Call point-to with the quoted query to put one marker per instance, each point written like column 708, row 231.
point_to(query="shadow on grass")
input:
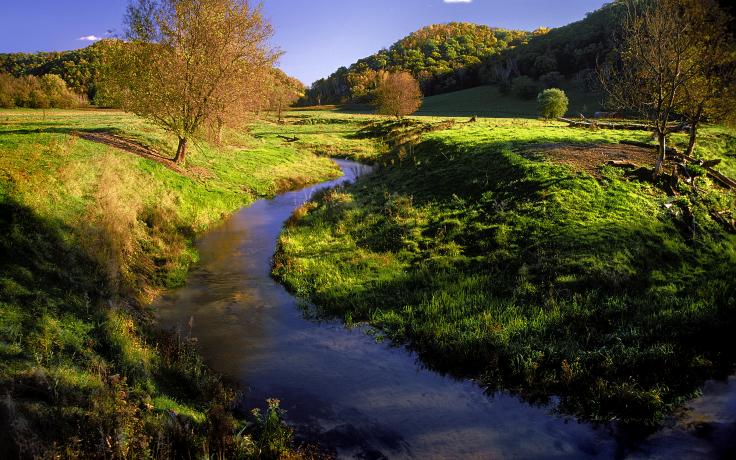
column 55, row 129
column 45, row 285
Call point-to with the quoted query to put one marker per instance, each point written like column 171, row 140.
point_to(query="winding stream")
column 361, row 398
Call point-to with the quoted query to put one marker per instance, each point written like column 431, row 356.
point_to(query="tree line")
column 47, row 91
column 442, row 57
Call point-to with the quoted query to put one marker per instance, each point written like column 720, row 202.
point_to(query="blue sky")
column 318, row 36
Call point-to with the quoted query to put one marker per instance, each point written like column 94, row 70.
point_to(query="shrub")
column 553, row 103
column 524, row 87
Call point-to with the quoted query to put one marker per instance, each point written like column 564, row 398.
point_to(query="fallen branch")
column 729, row 225
column 584, row 123
column 622, row 164
column 288, row 139
column 712, row 173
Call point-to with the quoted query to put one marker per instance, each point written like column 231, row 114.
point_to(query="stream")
column 371, row 400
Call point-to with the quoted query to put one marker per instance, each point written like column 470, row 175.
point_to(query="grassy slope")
column 487, row 101
column 86, row 229
column 534, row 276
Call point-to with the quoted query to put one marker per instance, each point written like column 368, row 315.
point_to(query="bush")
column 524, row 87
column 553, row 103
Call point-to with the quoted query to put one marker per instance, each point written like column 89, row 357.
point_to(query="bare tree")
column 712, row 94
column 657, row 63
column 192, row 66
column 398, row 95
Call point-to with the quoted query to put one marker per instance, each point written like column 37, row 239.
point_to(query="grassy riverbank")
column 502, row 250
column 89, row 234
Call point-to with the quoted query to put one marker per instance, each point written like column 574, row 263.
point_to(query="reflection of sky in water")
column 344, row 390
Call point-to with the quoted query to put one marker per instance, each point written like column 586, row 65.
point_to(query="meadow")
column 91, row 234
column 472, row 244
column 480, row 249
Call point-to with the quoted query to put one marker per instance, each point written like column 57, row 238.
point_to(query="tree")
column 712, row 96
column 192, row 66
column 524, row 87
column 552, row 103
column 657, row 63
column 398, row 95
column 283, row 91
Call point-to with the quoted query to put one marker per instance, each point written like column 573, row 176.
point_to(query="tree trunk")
column 661, row 151
column 694, row 131
column 181, row 151
column 220, row 127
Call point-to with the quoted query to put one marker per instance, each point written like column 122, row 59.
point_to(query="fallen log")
column 728, row 225
column 712, row 173
column 711, row 163
column 584, row 123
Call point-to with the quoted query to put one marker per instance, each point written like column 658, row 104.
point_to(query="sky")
column 316, row 36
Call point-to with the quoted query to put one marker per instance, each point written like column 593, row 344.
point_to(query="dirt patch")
column 590, row 157
column 131, row 146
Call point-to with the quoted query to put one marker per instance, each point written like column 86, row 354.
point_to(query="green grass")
column 88, row 235
column 497, row 264
column 488, row 101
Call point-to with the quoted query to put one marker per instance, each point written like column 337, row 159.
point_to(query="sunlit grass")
column 89, row 234
column 537, row 277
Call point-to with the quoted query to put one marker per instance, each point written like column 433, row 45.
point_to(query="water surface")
column 341, row 388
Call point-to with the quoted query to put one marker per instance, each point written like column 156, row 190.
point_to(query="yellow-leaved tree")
column 192, row 66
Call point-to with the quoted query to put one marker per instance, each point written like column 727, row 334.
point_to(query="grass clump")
column 531, row 275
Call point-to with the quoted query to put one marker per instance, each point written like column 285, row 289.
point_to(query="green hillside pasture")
column 494, row 262
column 487, row 101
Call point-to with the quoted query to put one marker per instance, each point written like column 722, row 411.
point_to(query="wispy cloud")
column 90, row 38
column 458, row 1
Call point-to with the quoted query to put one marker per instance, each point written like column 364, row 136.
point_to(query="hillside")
column 78, row 68
column 505, row 250
column 490, row 101
column 91, row 231
column 443, row 57
column 451, row 57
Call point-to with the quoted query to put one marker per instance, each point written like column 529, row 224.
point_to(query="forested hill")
column 454, row 56
column 78, row 68
column 444, row 57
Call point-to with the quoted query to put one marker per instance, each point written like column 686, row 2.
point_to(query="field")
column 90, row 234
column 498, row 249
column 488, row 101
column 505, row 250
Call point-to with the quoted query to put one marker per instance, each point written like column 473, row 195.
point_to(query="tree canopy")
column 442, row 57
column 193, row 66
column 398, row 95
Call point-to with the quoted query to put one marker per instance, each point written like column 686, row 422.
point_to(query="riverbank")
column 495, row 250
column 90, row 234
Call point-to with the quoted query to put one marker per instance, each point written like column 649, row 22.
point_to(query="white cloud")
column 458, row 1
column 90, row 38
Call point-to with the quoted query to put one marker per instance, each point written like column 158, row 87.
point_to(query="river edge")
column 685, row 436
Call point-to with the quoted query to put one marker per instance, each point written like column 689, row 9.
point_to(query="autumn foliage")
column 398, row 95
